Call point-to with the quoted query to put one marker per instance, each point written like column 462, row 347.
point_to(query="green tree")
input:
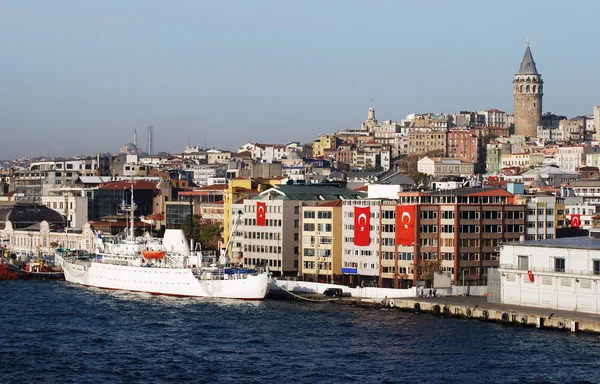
column 369, row 167
column 420, row 178
column 210, row 235
column 192, row 229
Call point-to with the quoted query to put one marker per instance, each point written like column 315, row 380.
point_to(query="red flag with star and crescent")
column 261, row 217
column 362, row 226
column 575, row 221
column 405, row 224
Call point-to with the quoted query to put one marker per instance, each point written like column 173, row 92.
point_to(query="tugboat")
column 40, row 270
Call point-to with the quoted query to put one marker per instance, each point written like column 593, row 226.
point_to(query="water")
column 54, row 332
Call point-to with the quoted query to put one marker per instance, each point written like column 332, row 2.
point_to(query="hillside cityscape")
column 532, row 162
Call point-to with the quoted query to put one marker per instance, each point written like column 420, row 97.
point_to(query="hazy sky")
column 79, row 76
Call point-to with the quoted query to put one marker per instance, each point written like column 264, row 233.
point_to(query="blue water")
column 54, row 332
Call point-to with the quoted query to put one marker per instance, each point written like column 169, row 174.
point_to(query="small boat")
column 39, row 270
column 153, row 254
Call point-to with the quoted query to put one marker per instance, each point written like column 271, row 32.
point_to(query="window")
column 559, row 264
column 523, row 262
column 309, row 214
column 596, row 267
column 324, row 215
column 309, row 227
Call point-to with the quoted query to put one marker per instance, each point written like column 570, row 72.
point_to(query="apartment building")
column 411, row 237
column 321, row 246
column 437, row 167
column 272, row 224
column 422, row 141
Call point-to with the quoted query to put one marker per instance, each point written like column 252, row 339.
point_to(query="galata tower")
column 528, row 92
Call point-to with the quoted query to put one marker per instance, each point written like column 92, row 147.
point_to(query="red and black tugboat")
column 40, row 270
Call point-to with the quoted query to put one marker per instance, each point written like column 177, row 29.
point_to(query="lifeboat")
column 153, row 254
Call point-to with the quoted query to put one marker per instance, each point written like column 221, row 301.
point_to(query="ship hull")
column 164, row 281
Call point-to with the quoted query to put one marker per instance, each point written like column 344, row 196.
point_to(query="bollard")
column 574, row 326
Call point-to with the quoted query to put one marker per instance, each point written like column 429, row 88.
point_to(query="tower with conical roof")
column 527, row 93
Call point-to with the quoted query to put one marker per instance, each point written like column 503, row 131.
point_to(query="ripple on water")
column 80, row 335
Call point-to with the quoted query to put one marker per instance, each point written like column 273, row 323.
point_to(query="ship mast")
column 130, row 208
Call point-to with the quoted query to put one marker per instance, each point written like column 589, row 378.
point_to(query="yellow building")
column 242, row 188
column 324, row 142
column 321, row 250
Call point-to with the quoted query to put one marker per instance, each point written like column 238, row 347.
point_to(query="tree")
column 192, row 229
column 428, row 267
column 420, row 178
column 210, row 235
column 369, row 167
column 206, row 234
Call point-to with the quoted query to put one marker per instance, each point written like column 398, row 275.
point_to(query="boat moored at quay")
column 166, row 266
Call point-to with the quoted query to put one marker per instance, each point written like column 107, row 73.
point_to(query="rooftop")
column 579, row 242
column 527, row 64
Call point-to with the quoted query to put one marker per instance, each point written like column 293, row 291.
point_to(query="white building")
column 71, row 203
column 445, row 167
column 551, row 175
column 555, row 274
column 360, row 260
column 571, row 157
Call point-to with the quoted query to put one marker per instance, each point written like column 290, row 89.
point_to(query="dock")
column 456, row 306
column 478, row 308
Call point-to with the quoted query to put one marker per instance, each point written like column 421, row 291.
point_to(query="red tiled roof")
column 364, row 188
column 155, row 216
column 126, row 184
column 214, row 187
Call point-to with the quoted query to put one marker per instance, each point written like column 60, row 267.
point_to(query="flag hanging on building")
column 362, row 226
column 261, row 217
column 405, row 224
column 575, row 221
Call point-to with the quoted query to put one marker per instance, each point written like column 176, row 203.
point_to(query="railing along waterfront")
column 516, row 268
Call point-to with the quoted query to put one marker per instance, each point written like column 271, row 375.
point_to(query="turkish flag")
column 530, row 274
column 261, row 217
column 405, row 224
column 362, row 226
column 575, row 221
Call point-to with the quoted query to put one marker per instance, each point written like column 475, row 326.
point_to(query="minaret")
column 527, row 93
column 135, row 136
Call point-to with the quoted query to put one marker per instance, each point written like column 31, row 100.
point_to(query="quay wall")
column 521, row 316
column 373, row 292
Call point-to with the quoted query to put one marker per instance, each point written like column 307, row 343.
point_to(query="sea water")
column 56, row 332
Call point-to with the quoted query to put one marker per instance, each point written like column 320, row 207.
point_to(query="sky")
column 77, row 77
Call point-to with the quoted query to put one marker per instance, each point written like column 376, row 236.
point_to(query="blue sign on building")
column 349, row 271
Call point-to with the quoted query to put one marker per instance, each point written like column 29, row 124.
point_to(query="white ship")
column 162, row 266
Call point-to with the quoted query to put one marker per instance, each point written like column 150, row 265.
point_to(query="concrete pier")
column 477, row 308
